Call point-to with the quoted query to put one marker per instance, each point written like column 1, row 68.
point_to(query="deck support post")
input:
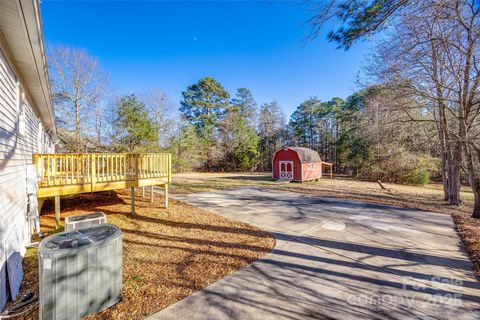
column 165, row 195
column 143, row 192
column 151, row 193
column 40, row 204
column 57, row 212
column 132, row 196
column 93, row 173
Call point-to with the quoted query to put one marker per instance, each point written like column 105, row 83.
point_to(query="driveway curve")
column 337, row 259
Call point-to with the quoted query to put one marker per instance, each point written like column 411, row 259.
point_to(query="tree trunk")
column 99, row 129
column 336, row 146
column 442, row 127
column 472, row 172
column 445, row 179
column 476, row 205
column 454, row 184
column 455, row 158
column 444, row 164
column 474, row 180
column 77, row 126
column 451, row 157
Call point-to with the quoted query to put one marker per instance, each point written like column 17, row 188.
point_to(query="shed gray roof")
column 306, row 155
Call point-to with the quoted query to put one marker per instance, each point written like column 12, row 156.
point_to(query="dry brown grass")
column 428, row 198
column 168, row 254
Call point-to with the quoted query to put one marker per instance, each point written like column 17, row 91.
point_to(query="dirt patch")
column 167, row 254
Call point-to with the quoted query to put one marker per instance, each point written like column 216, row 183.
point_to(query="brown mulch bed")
column 167, row 254
column 469, row 230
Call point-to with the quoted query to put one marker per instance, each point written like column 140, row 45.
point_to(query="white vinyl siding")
column 15, row 154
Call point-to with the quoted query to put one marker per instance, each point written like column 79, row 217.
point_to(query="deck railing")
column 102, row 169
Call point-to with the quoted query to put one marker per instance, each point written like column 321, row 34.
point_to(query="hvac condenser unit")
column 80, row 272
column 85, row 220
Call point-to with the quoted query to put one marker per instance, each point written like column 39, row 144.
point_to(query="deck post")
column 331, row 171
column 57, row 211
column 40, row 204
column 165, row 195
column 143, row 191
column 47, row 170
column 132, row 196
column 151, row 193
column 169, row 165
column 93, row 173
column 137, row 167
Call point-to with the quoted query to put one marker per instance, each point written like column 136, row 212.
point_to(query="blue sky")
column 258, row 45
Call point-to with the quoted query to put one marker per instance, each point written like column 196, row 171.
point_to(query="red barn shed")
column 297, row 164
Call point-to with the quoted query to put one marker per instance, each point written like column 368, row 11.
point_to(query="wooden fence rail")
column 77, row 169
column 72, row 173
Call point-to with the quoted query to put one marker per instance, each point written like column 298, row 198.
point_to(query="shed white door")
column 286, row 170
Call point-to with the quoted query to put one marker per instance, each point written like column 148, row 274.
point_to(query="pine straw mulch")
column 468, row 229
column 167, row 254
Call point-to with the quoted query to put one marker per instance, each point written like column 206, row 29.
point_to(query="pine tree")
column 246, row 106
column 204, row 104
column 135, row 130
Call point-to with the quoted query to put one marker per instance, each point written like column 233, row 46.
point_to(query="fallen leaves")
column 167, row 253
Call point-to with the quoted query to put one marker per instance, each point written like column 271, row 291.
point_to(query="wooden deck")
column 72, row 173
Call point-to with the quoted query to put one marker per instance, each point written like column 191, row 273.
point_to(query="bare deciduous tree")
column 271, row 127
column 78, row 86
column 165, row 113
column 435, row 51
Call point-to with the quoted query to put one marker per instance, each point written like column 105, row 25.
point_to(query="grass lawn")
column 429, row 197
column 167, row 254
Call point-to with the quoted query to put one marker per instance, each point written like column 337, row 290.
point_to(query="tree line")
column 365, row 136
column 362, row 135
column 214, row 130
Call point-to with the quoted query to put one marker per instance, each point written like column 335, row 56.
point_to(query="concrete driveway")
column 337, row 259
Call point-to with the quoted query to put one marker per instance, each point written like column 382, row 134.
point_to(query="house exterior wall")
column 287, row 155
column 22, row 133
column 311, row 170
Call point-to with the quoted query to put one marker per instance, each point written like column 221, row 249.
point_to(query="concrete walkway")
column 337, row 259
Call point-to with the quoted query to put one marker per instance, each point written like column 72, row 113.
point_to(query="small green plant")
column 135, row 282
column 418, row 177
